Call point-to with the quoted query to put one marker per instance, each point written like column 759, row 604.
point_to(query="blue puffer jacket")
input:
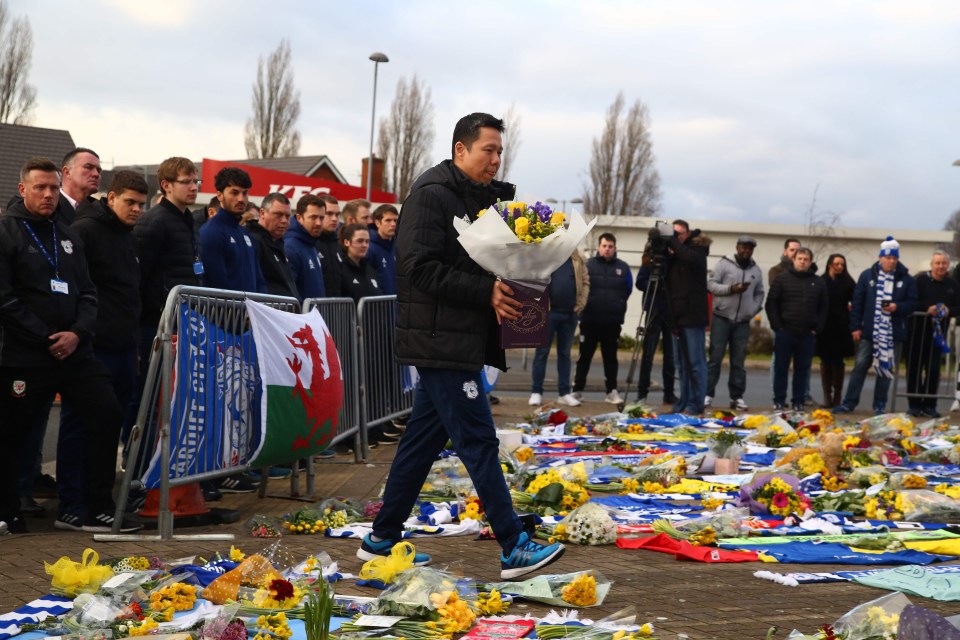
column 865, row 295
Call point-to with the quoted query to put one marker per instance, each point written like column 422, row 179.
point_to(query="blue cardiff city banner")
column 215, row 411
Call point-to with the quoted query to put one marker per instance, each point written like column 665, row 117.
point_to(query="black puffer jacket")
column 168, row 247
column 29, row 310
column 687, row 280
column 112, row 261
column 444, row 315
column 798, row 302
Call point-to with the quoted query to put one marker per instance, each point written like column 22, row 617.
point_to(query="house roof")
column 299, row 165
column 19, row 144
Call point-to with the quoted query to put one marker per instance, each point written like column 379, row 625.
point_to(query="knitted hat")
column 890, row 247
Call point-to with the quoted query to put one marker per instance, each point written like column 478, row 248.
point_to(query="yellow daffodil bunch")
column 755, row 422
column 653, row 487
column 951, row 491
column 456, row 616
column 833, row 483
column 811, row 463
column 710, row 504
column 822, row 416
column 523, row 454
column 630, row 485
column 236, row 555
column 913, row 481
column 704, row 538
column 581, row 592
column 491, row 603
column 177, row 596
column 559, row 533
column 273, row 626
column 143, row 627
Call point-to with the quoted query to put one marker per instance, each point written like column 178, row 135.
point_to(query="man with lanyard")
column 80, row 171
column 48, row 314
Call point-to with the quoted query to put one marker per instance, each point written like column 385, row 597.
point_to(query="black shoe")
column 798, row 406
column 670, row 399
column 401, row 423
column 30, row 508
column 16, row 524
column 326, row 454
column 68, row 522
column 383, row 438
column 103, row 523
column 136, row 499
column 44, row 486
column 211, row 492
column 778, row 406
column 343, row 448
column 493, row 399
column 237, row 484
column 928, row 411
column 391, row 431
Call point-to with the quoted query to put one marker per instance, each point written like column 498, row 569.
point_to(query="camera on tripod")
column 658, row 240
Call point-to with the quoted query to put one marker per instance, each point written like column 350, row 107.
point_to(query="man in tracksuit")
column 448, row 311
column 736, row 283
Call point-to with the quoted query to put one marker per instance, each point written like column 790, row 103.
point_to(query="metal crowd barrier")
column 340, row 314
column 224, row 311
column 376, row 389
column 386, row 389
column 924, row 364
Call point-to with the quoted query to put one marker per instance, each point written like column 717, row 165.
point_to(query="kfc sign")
column 290, row 184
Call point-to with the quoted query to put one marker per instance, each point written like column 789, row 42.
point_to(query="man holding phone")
column 885, row 296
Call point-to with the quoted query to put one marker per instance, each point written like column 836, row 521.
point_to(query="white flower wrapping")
column 590, row 524
column 492, row 245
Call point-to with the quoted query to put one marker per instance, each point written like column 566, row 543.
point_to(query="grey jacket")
column 736, row 307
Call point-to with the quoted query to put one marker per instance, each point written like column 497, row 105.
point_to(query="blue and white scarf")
column 883, row 326
column 939, row 315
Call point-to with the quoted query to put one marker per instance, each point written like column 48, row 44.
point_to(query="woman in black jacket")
column 358, row 278
column 835, row 342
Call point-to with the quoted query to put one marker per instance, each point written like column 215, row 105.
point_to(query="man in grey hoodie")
column 736, row 283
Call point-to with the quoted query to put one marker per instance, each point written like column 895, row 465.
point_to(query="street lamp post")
column 563, row 203
column 377, row 58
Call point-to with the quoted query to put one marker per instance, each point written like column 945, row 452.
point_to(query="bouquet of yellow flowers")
column 523, row 245
column 776, row 494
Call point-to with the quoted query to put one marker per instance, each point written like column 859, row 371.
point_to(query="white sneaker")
column 535, row 400
column 707, row 401
column 739, row 405
column 569, row 400
column 613, row 397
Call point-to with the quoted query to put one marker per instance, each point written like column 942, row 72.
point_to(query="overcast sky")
column 753, row 104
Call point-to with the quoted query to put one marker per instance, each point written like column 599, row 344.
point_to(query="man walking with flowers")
column 447, row 315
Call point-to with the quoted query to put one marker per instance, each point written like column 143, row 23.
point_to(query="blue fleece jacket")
column 229, row 256
column 301, row 250
column 382, row 256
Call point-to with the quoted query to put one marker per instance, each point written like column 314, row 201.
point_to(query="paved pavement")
column 705, row 601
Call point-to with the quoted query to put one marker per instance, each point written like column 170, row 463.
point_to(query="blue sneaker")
column 370, row 550
column 843, row 409
column 528, row 556
column 275, row 473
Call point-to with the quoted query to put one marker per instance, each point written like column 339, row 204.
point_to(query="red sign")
column 291, row 185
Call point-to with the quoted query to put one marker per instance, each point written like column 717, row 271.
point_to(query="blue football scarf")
column 883, row 326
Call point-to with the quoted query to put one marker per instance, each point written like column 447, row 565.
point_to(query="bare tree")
column 623, row 175
column 822, row 229
column 406, row 135
column 17, row 98
column 953, row 224
column 511, row 140
column 271, row 132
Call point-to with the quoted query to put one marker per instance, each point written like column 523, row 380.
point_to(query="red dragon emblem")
column 324, row 397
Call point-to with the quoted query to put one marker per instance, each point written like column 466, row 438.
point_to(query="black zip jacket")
column 331, row 261
column 112, row 262
column 168, row 246
column 798, row 302
column 359, row 280
column 273, row 261
column 445, row 319
column 30, row 311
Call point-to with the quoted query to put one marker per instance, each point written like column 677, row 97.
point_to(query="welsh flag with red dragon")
column 302, row 383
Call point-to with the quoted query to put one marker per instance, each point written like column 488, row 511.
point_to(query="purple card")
column 530, row 329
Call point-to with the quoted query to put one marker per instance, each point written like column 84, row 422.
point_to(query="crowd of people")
column 883, row 316
column 83, row 283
